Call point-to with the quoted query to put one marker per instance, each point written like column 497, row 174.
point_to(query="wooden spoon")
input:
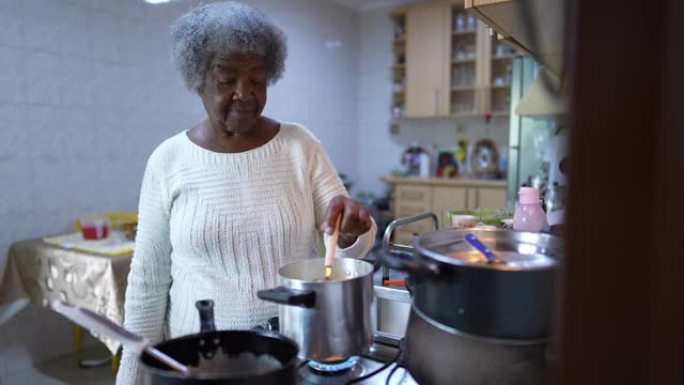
column 331, row 248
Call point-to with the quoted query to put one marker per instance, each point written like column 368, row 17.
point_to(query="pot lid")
column 520, row 251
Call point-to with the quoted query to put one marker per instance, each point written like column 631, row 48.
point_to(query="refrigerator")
column 536, row 144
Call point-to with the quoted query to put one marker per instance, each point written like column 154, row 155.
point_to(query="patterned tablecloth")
column 37, row 272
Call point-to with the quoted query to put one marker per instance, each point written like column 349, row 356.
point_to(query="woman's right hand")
column 356, row 219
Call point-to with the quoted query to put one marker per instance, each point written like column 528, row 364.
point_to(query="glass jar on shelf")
column 469, row 76
column 471, row 52
column 457, row 50
column 471, row 22
column 459, row 22
column 456, row 76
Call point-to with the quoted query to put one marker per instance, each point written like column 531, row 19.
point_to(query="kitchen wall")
column 380, row 150
column 86, row 93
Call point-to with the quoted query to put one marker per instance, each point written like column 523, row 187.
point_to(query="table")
column 39, row 273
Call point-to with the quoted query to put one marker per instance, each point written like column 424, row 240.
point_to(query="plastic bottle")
column 424, row 160
column 529, row 215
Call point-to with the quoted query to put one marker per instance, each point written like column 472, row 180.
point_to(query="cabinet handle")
column 413, row 195
column 436, row 94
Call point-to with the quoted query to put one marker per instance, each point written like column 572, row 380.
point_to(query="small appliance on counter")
column 484, row 159
column 416, row 161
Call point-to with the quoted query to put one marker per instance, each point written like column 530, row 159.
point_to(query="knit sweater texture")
column 219, row 226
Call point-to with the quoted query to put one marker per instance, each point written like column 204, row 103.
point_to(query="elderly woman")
column 227, row 202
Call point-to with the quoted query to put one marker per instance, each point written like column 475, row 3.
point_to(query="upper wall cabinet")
column 447, row 64
column 427, row 50
column 535, row 26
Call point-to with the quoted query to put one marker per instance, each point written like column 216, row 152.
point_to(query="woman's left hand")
column 355, row 221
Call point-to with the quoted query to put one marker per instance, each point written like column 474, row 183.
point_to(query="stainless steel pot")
column 455, row 286
column 330, row 320
column 438, row 355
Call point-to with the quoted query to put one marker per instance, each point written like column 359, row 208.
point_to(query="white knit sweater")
column 218, row 226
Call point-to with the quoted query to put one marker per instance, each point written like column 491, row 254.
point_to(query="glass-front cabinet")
column 398, row 64
column 464, row 63
column 446, row 63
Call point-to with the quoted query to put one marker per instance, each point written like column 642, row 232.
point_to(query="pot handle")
column 205, row 307
column 286, row 296
column 396, row 247
column 405, row 261
column 401, row 257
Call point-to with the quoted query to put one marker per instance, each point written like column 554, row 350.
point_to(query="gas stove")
column 378, row 367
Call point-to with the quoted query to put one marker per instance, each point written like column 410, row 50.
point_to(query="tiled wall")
column 86, row 93
column 380, row 151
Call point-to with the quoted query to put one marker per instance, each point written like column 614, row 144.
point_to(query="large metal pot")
column 453, row 285
column 210, row 344
column 330, row 319
column 438, row 355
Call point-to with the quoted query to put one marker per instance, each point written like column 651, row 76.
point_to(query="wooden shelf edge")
column 464, row 33
column 465, row 114
column 462, row 181
column 464, row 61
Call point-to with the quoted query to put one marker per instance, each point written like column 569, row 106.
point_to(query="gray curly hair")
column 225, row 28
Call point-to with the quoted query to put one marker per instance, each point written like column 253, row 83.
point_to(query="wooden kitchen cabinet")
column 448, row 198
column 506, row 18
column 411, row 200
column 447, row 64
column 490, row 198
column 486, row 198
column 414, row 195
column 427, row 56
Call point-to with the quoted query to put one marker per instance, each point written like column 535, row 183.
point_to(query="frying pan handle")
column 285, row 296
column 205, row 308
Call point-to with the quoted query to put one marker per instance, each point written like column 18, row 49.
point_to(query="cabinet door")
column 490, row 198
column 427, row 58
column 413, row 195
column 445, row 199
column 411, row 200
column 473, row 199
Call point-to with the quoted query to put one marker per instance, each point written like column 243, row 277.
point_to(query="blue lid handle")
column 479, row 246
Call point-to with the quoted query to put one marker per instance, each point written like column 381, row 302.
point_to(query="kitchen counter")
column 432, row 181
column 414, row 195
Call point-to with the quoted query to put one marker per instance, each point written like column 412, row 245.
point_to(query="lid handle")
column 205, row 308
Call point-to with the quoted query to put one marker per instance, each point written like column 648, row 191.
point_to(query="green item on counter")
column 487, row 216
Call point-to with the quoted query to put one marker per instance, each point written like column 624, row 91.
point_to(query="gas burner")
column 324, row 373
column 334, row 367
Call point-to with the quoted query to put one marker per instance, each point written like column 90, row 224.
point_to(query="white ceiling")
column 365, row 5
